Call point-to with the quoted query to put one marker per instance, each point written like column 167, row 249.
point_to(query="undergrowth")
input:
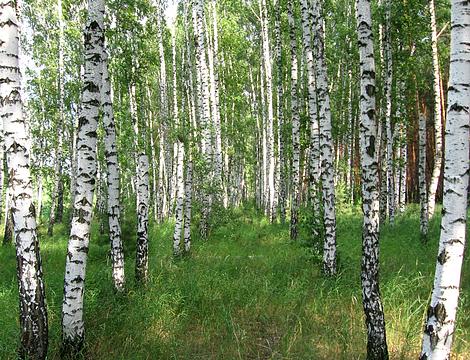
column 245, row 293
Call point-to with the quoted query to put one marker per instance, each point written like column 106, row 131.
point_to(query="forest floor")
column 246, row 293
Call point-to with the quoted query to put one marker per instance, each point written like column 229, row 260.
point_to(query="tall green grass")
column 246, row 293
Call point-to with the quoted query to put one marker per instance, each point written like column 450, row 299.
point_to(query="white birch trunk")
column 436, row 171
column 270, row 163
column 113, row 179
column 264, row 144
column 423, row 198
column 281, row 171
column 33, row 313
column 60, row 124
column 73, row 329
column 375, row 322
column 165, row 144
column 388, row 113
column 215, row 99
column 188, row 190
column 295, row 126
column 314, row 148
column 440, row 320
column 326, row 145
column 180, row 190
column 204, row 109
column 141, row 263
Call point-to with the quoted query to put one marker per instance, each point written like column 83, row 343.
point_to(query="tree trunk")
column 113, row 179
column 422, row 178
column 141, row 264
column 213, row 58
column 436, row 171
column 180, row 186
column 295, row 126
column 72, row 309
column 326, row 145
column 188, row 190
column 33, row 313
column 281, row 172
column 204, row 110
column 440, row 320
column 165, row 144
column 376, row 337
column 60, row 125
column 314, row 149
column 388, row 113
column 270, row 163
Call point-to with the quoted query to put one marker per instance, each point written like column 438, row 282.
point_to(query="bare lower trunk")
column 440, row 319
column 314, row 147
column 436, row 171
column 188, row 189
column 295, row 127
column 113, row 179
column 270, row 163
column 388, row 114
column 326, row 146
column 141, row 264
column 372, row 304
column 422, row 177
column 73, row 329
column 33, row 313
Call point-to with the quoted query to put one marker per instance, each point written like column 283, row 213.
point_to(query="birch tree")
column 326, row 144
column 33, row 313
column 423, row 198
column 373, row 310
column 440, row 319
column 295, row 125
column 314, row 149
column 267, row 64
column 142, row 188
column 388, row 111
column 113, row 179
column 60, row 124
column 180, row 185
column 203, row 107
column 436, row 171
column 164, row 144
column 213, row 52
column 73, row 329
column 281, row 186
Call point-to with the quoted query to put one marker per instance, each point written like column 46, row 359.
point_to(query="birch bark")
column 73, row 329
column 388, row 112
column 373, row 310
column 295, row 125
column 180, row 186
column 204, row 109
column 440, row 319
column 423, row 198
column 33, row 313
column 281, row 172
column 326, row 145
column 314, row 148
column 59, row 130
column 267, row 63
column 113, row 179
column 436, row 171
